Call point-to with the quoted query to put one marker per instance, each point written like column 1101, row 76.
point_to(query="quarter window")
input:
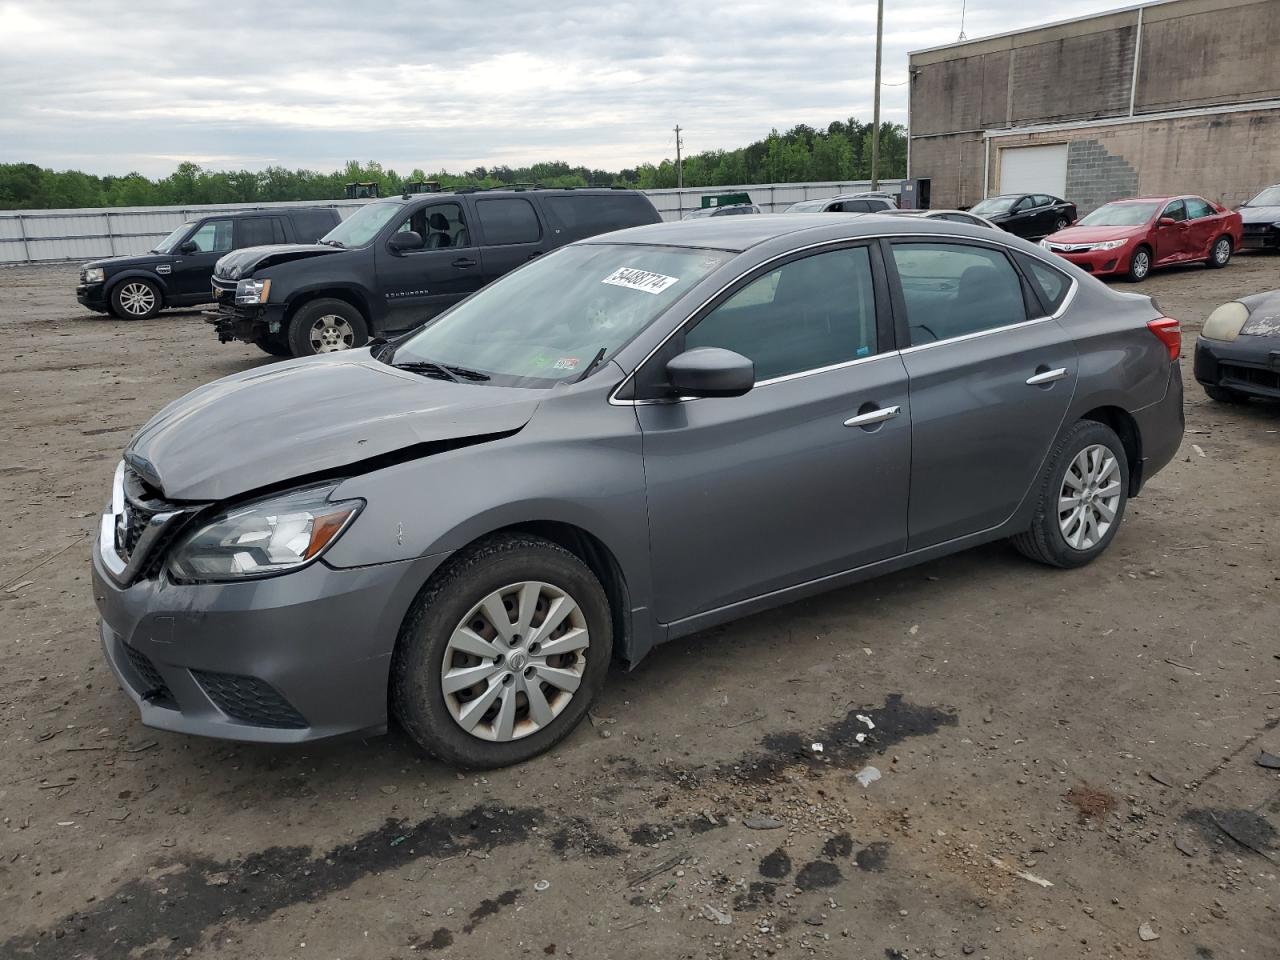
column 510, row 220
column 809, row 313
column 1053, row 284
column 956, row 289
column 213, row 237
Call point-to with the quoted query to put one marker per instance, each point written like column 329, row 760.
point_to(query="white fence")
column 52, row 236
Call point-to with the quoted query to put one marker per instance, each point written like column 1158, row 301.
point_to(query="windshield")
column 1269, row 197
column 986, row 208
column 547, row 322
column 808, row 206
column 362, row 226
column 1120, row 215
column 170, row 243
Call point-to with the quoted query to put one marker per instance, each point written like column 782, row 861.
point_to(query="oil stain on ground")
column 489, row 907
column 252, row 889
column 872, row 857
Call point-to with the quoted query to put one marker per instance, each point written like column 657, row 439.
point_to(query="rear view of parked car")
column 1129, row 237
column 177, row 271
column 634, row 438
column 396, row 263
column 1261, row 220
column 1028, row 215
column 1238, row 350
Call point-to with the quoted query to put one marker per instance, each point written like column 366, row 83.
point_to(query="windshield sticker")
column 565, row 363
column 642, row 280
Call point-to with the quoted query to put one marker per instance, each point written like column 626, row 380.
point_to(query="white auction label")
column 642, row 280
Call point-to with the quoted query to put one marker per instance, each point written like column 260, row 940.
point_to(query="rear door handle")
column 873, row 417
column 464, row 262
column 1046, row 376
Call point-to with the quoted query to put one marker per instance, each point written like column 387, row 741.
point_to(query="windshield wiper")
column 334, row 243
column 429, row 367
column 595, row 362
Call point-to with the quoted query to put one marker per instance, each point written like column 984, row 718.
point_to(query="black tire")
column 1139, row 265
column 332, row 313
column 274, row 344
column 1045, row 541
column 417, row 696
column 1220, row 253
column 1062, row 224
column 1223, row 394
column 135, row 298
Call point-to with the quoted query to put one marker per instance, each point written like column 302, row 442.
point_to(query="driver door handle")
column 1047, row 376
column 873, row 417
column 464, row 262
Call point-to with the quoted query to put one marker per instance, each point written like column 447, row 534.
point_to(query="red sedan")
column 1129, row 237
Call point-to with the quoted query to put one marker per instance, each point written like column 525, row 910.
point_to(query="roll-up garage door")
column 1034, row 169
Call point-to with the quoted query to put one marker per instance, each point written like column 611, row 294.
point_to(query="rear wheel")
column 1062, row 224
column 1082, row 497
column 1220, row 254
column 1223, row 394
column 326, row 326
column 135, row 299
column 502, row 653
column 1139, row 265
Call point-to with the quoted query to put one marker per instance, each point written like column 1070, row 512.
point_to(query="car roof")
column 737, row 234
column 499, row 192
column 1176, row 196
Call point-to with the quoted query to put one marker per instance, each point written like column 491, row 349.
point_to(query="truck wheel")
column 326, row 326
column 273, row 343
column 136, row 299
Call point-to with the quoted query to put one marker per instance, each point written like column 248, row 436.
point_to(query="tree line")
column 840, row 152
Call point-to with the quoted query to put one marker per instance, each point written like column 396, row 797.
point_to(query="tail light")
column 1169, row 332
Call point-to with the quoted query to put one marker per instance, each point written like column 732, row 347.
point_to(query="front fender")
column 116, row 279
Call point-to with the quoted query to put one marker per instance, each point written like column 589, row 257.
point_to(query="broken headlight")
column 260, row 539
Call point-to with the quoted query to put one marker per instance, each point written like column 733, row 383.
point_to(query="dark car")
column 1238, row 350
column 1261, row 219
column 396, row 263
column 1128, row 237
column 846, row 203
column 1029, row 215
column 176, row 272
column 633, row 439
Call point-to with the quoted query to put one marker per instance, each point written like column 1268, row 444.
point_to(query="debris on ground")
column 1184, row 847
column 1091, row 803
column 1021, row 874
column 1268, row 760
column 760, row 822
column 716, row 916
column 542, row 885
column 867, row 776
column 1147, row 933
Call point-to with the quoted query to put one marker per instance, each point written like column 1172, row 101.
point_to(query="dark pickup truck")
column 177, row 270
column 396, row 263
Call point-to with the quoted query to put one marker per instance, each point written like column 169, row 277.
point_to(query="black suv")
column 176, row 272
column 396, row 263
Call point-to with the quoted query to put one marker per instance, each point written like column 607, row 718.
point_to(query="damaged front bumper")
column 249, row 324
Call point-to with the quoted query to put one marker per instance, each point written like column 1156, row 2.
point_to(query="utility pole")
column 875, row 112
column 679, row 166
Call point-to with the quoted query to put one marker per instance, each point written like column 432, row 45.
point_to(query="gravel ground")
column 1066, row 759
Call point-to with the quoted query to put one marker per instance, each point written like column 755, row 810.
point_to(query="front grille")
column 154, row 690
column 249, row 700
column 1252, row 376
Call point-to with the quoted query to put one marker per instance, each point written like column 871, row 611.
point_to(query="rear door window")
column 814, row 312
column 254, row 231
column 952, row 290
column 508, row 220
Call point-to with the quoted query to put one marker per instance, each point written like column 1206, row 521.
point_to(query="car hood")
column 1095, row 234
column 1259, row 214
column 242, row 263
column 309, row 416
column 124, row 263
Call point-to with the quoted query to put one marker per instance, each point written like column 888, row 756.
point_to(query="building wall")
column 1191, row 54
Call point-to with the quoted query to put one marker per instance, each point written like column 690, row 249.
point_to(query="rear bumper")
column 289, row 659
column 1160, row 427
column 1249, row 365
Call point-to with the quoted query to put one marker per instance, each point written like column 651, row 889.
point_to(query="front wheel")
column 502, row 653
column 326, row 326
column 1139, row 265
column 135, row 299
column 1220, row 255
column 1081, row 500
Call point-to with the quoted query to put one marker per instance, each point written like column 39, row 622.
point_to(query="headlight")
column 253, row 291
column 94, row 274
column 268, row 537
column 1225, row 322
column 1045, row 244
column 1110, row 244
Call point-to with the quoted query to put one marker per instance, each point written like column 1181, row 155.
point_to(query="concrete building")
column 1180, row 96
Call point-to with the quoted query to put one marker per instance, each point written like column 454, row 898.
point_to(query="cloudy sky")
column 110, row 87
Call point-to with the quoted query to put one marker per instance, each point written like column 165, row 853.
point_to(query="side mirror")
column 403, row 242
column 711, row 372
column 188, row 246
column 1167, row 222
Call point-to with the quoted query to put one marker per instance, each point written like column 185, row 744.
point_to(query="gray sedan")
column 629, row 440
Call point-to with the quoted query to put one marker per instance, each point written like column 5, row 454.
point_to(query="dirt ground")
column 1066, row 758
